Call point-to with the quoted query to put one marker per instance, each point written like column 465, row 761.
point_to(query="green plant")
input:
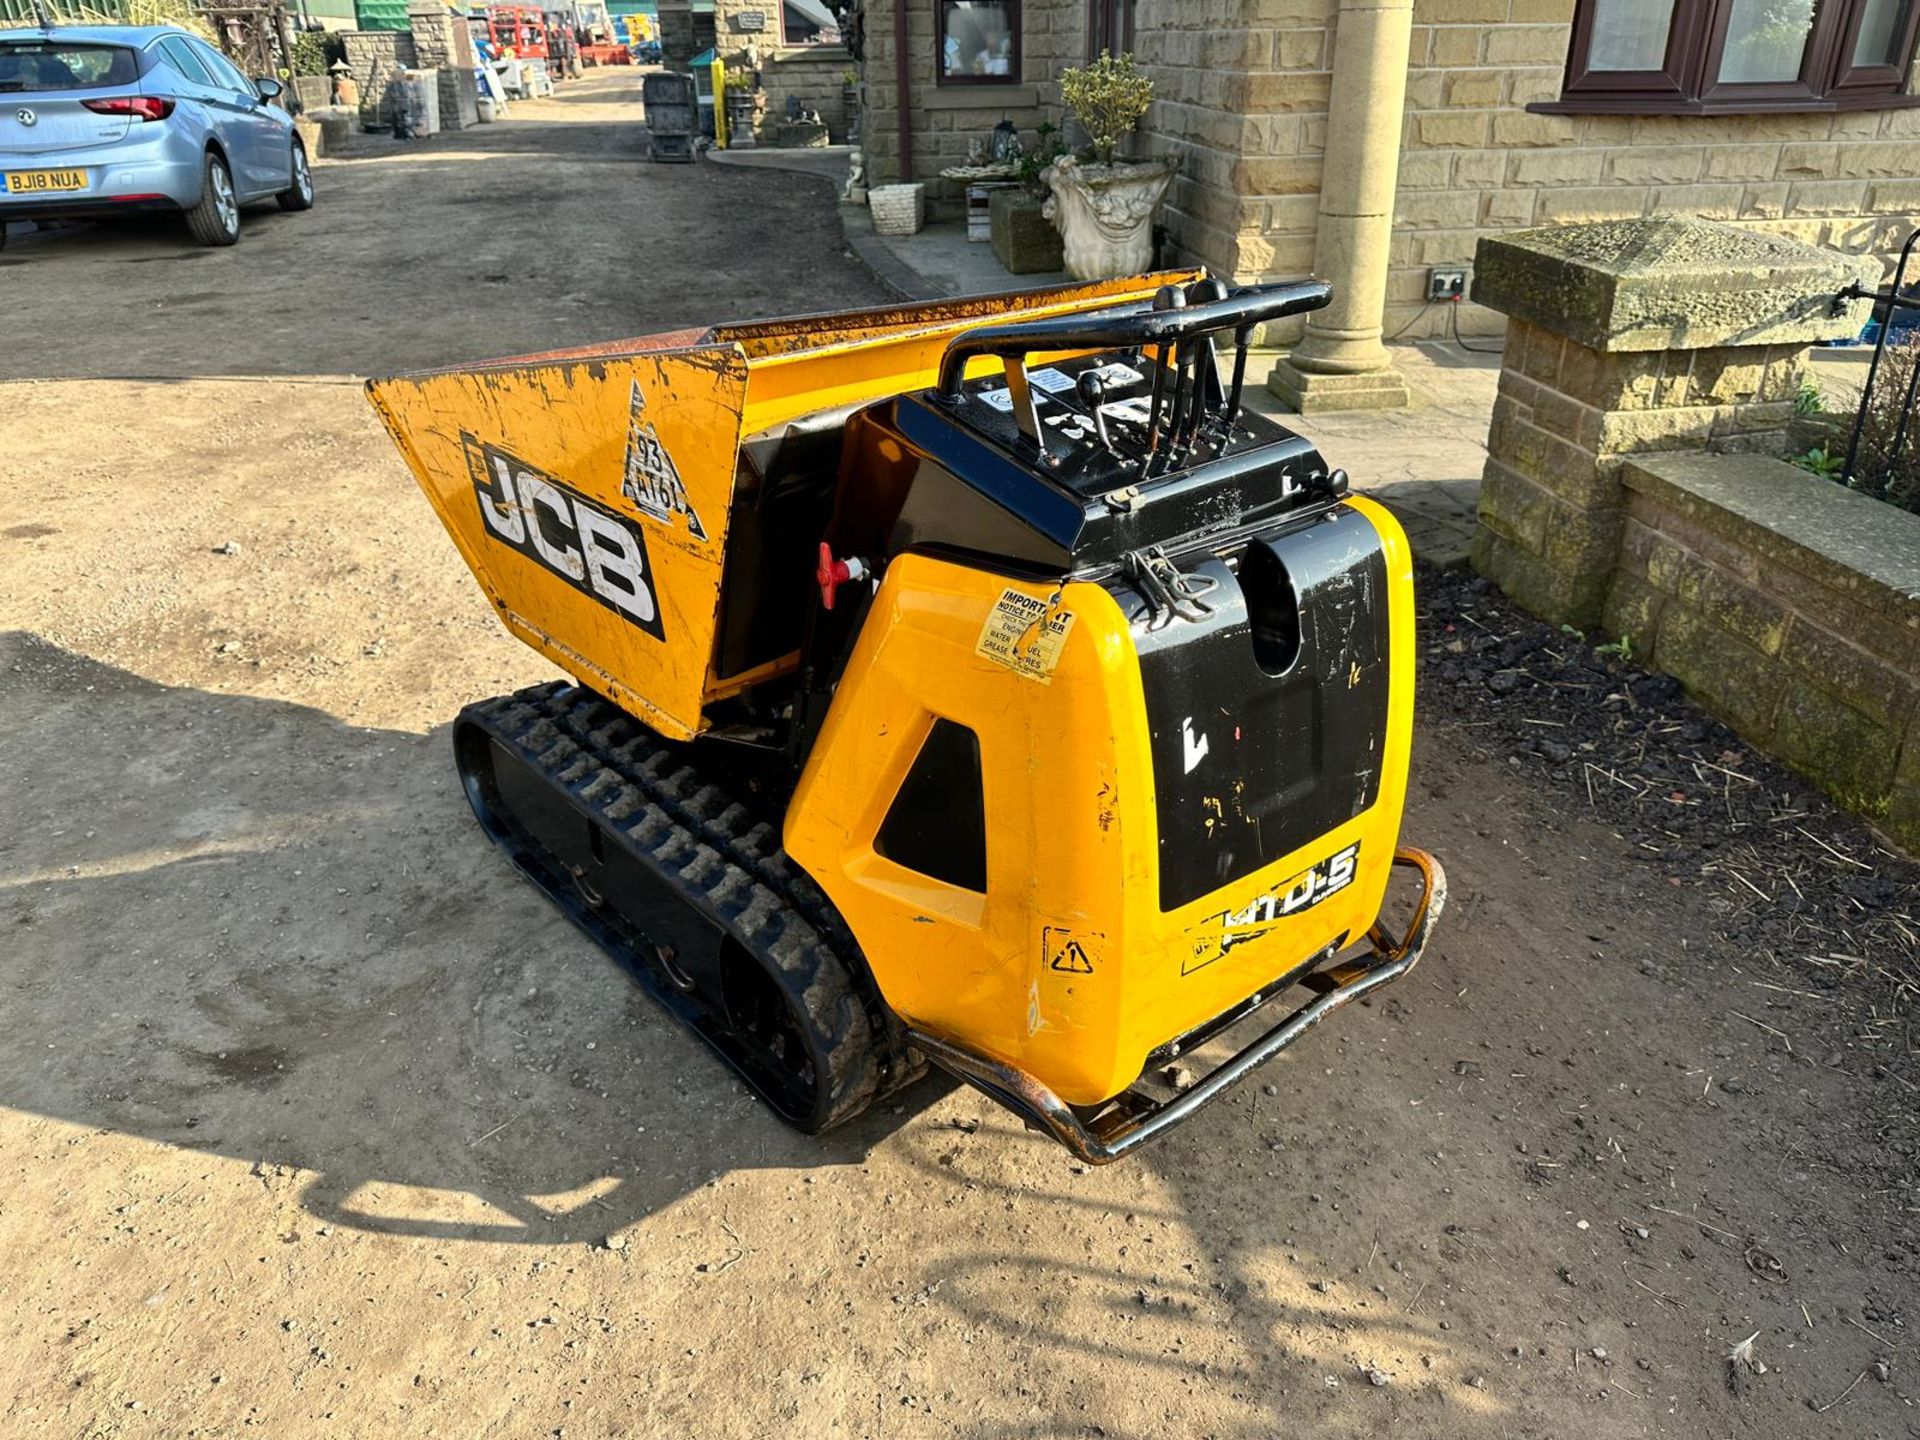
column 1887, row 466
column 1108, row 98
column 1048, row 146
column 1621, row 649
column 309, row 54
column 1822, row 462
column 1807, row 399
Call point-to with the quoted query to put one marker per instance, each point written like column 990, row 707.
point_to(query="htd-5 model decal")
column 598, row 553
column 1289, row 898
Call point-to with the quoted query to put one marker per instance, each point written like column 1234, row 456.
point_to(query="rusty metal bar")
column 1133, row 1119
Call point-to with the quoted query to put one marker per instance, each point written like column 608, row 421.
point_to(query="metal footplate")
column 1131, row 1119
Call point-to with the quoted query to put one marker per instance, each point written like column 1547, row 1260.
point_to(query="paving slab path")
column 316, row 1120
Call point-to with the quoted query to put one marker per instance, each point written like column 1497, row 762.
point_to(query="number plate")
column 41, row 182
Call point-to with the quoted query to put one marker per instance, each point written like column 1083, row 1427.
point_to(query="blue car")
column 105, row 120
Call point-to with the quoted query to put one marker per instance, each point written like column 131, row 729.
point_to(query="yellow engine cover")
column 1065, row 966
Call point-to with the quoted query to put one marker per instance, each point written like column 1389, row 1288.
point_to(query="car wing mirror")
column 269, row 89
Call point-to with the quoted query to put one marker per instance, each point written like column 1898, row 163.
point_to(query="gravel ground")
column 315, row 1120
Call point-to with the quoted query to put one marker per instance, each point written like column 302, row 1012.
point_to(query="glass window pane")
column 1880, row 28
column 808, row 22
column 1766, row 40
column 1630, row 34
column 977, row 39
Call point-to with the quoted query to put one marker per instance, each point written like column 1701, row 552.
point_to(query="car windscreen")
column 33, row 65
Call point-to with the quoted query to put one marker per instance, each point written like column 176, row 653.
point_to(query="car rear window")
column 55, row 65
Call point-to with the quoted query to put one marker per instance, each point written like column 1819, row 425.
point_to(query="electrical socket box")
column 1447, row 283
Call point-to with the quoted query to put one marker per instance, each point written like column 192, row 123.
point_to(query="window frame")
column 172, row 48
column 805, row 47
column 1688, row 81
column 1109, row 27
column 1016, row 62
column 225, row 72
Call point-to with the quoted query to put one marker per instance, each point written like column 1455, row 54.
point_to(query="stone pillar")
column 1341, row 364
column 1626, row 338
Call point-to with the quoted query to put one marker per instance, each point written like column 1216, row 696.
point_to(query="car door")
column 260, row 131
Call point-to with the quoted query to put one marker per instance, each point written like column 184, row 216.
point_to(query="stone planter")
column 1105, row 214
column 1024, row 240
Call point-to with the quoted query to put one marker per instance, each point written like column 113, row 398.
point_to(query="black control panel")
column 1095, row 430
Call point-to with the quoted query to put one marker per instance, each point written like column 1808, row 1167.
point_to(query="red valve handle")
column 831, row 575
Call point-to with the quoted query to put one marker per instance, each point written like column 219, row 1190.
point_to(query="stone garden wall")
column 1647, row 383
column 388, row 49
column 1789, row 606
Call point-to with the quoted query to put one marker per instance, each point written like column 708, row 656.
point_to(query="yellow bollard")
column 719, row 103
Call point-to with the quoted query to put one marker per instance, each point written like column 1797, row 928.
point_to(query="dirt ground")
column 316, row 1120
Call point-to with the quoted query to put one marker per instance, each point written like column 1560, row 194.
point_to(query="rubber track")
column 725, row 860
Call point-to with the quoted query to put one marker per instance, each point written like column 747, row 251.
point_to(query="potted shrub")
column 1104, row 205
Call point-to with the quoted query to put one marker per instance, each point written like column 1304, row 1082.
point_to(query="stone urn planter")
column 1104, row 213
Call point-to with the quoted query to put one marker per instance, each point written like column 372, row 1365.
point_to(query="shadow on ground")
column 436, row 1067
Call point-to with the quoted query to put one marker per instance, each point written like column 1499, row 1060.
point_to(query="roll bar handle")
column 1128, row 326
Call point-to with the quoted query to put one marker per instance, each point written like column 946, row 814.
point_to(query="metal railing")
column 1883, row 451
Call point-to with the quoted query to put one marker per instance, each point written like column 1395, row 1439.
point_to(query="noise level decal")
column 652, row 481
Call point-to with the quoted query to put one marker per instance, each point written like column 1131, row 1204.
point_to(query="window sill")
column 994, row 96
column 1627, row 105
column 810, row 52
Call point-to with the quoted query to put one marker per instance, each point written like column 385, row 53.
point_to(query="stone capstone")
column 1671, row 282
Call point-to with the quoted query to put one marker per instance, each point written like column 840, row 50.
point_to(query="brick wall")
column 1782, row 603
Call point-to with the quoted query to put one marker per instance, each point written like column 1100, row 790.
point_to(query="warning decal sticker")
column 1025, row 634
column 1066, row 951
column 651, row 480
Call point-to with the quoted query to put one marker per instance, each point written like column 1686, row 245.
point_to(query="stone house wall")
column 944, row 119
column 816, row 77
column 1476, row 162
column 814, row 74
column 1244, row 88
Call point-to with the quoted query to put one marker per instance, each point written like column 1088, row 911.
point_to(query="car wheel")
column 299, row 195
column 216, row 219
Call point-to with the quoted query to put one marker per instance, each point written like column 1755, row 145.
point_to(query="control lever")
column 1196, row 380
column 1168, row 297
column 1242, row 340
column 1206, row 386
column 1093, row 394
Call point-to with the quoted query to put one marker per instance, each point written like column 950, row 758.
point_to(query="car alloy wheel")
column 224, row 205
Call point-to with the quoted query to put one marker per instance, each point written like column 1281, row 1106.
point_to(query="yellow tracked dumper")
column 975, row 682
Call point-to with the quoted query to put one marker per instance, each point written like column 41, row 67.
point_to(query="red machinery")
column 519, row 31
